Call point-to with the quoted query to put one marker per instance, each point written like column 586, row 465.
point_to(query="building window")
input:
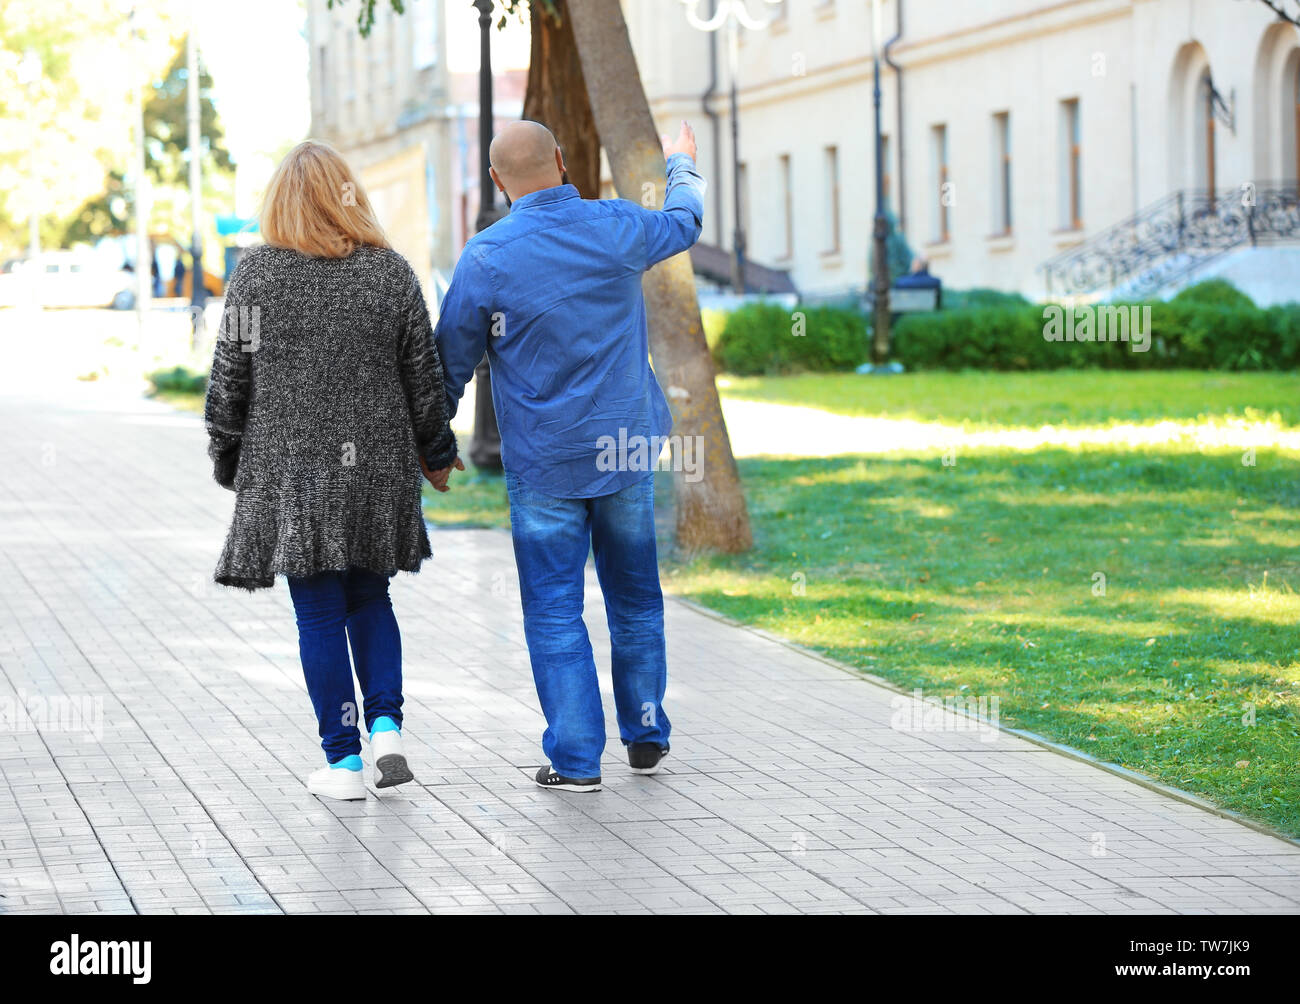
column 743, row 172
column 1295, row 94
column 1207, row 110
column 1071, row 166
column 1002, row 173
column 832, row 184
column 787, row 204
column 324, row 83
column 350, row 93
column 424, row 34
column 942, row 186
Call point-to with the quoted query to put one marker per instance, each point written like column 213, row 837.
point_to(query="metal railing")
column 1170, row 238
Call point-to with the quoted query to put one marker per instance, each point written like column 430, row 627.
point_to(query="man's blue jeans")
column 335, row 609
column 552, row 537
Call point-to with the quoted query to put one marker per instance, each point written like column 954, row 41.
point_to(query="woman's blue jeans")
column 552, row 537
column 336, row 610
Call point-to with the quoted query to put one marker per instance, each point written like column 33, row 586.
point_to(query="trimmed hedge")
column 1211, row 325
column 766, row 338
column 980, row 296
column 1216, row 293
column 1184, row 334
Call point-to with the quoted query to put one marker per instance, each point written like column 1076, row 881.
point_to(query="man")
column 553, row 293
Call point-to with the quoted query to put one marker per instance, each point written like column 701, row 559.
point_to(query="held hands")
column 439, row 478
column 684, row 143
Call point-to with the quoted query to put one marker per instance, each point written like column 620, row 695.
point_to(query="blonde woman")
column 324, row 405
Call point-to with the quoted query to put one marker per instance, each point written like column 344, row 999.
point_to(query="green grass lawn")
column 994, row 400
column 982, row 578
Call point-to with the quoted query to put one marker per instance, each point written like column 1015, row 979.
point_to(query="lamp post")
column 733, row 14
column 143, row 256
column 880, row 229
column 485, row 446
column 197, row 293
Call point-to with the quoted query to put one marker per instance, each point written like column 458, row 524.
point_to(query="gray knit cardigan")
column 325, row 385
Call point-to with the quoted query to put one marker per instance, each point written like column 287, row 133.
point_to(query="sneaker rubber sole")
column 393, row 770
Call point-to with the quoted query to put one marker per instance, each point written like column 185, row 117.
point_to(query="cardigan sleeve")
column 422, row 380
column 225, row 407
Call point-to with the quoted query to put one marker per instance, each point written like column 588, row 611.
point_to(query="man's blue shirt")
column 553, row 293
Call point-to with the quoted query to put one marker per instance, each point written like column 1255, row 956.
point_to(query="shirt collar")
column 560, row 193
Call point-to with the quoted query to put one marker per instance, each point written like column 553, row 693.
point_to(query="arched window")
column 1190, row 145
column 1205, row 131
column 1294, row 65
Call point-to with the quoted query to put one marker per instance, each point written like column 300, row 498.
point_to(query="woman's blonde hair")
column 314, row 204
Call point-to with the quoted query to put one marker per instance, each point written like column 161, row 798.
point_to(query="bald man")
column 552, row 293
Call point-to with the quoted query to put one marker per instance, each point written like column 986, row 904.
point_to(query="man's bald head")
column 525, row 158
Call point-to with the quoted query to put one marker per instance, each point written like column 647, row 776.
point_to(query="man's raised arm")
column 679, row 224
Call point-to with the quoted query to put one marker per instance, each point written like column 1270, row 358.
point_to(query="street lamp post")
column 734, row 14
column 143, row 256
column 880, row 229
column 197, row 293
column 485, row 446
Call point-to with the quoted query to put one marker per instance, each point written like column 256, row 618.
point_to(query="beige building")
column 1027, row 128
column 402, row 106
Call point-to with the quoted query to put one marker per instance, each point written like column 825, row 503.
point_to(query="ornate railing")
column 1170, row 238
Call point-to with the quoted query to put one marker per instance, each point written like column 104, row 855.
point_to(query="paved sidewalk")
column 787, row 789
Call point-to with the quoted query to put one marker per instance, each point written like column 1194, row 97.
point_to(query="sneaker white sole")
column 567, row 787
column 342, row 785
column 651, row 770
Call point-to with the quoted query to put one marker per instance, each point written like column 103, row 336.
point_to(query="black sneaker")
column 645, row 758
column 547, row 778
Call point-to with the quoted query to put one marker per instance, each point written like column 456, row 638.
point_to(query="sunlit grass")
column 988, row 575
column 975, row 401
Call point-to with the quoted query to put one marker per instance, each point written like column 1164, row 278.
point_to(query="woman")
column 324, row 404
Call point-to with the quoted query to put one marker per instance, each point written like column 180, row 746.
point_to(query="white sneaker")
column 337, row 782
column 390, row 764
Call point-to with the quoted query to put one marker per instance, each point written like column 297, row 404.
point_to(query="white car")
column 67, row 279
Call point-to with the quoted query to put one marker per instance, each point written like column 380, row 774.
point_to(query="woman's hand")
column 439, row 478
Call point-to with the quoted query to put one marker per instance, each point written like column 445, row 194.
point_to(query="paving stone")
column 182, row 790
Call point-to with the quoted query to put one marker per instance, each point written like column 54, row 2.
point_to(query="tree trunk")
column 711, row 513
column 557, row 95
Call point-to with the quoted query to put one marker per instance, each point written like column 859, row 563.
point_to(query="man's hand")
column 684, row 143
column 439, row 478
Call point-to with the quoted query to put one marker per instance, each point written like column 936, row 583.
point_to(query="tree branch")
column 1279, row 7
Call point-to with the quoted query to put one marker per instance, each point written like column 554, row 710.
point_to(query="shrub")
column 714, row 321
column 178, row 379
column 763, row 338
column 1214, row 293
column 960, row 299
column 1185, row 334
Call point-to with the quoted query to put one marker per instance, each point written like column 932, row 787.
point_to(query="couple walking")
column 331, row 395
